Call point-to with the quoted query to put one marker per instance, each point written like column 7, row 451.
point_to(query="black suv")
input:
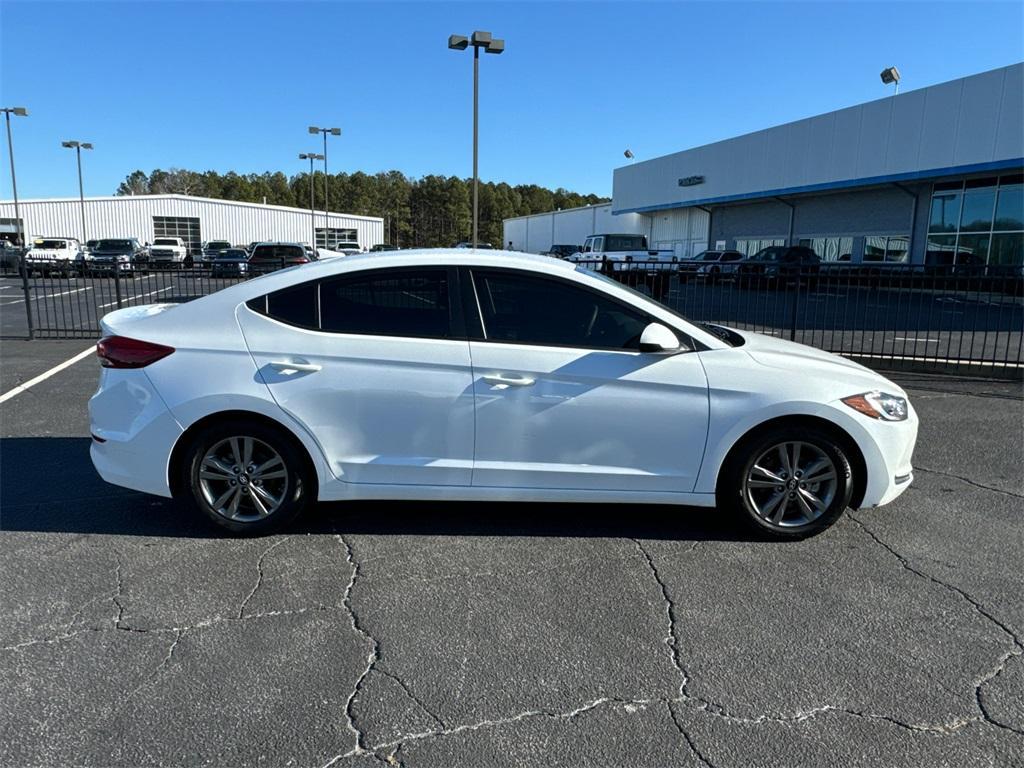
column 266, row 257
column 781, row 263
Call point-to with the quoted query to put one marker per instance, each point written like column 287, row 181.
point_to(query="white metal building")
column 537, row 233
column 928, row 176
column 194, row 219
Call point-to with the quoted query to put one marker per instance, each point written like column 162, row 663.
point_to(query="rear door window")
column 413, row 303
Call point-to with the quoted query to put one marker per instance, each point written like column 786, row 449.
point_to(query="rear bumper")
column 137, row 431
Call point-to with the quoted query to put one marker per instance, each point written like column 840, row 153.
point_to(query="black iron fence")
column 967, row 319
column 942, row 319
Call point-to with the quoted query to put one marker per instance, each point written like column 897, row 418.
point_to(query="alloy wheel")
column 243, row 479
column 791, row 484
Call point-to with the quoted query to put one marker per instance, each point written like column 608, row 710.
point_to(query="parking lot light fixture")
column 311, row 156
column 478, row 40
column 20, row 112
column 891, row 75
column 78, row 146
column 327, row 207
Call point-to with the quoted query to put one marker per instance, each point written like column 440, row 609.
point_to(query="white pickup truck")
column 169, row 250
column 627, row 258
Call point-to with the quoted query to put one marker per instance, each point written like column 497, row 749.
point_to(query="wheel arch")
column 850, row 447
column 174, row 465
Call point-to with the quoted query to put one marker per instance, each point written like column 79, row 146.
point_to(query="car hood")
column 802, row 360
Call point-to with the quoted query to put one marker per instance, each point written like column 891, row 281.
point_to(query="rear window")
column 625, row 243
column 165, row 241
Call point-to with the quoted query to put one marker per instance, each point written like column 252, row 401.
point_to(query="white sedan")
column 482, row 375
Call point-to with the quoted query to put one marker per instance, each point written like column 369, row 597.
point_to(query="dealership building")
column 193, row 219
column 931, row 176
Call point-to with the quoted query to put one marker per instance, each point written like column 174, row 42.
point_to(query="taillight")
column 122, row 352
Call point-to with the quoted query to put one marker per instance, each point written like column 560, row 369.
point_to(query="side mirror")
column 658, row 339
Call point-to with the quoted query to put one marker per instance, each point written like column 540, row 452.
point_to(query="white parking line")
column 10, row 303
column 62, row 293
column 44, row 376
column 915, row 339
column 112, row 303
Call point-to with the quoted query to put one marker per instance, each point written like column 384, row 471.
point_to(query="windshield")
column 165, row 241
column 218, row 245
column 114, row 245
column 232, row 254
column 50, row 245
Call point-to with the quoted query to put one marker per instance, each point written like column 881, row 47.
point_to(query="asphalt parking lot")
column 507, row 634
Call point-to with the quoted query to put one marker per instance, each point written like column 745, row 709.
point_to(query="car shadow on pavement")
column 48, row 484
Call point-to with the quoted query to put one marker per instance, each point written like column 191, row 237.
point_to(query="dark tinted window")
column 535, row 310
column 295, row 305
column 390, row 303
column 625, row 243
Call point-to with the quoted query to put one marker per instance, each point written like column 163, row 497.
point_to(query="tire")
column 753, row 496
column 278, row 501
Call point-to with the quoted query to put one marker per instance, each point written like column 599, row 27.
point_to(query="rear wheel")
column 787, row 482
column 247, row 477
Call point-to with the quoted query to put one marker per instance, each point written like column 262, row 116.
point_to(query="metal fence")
column 950, row 318
column 944, row 319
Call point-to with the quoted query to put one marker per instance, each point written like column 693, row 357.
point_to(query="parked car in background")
column 710, row 265
column 169, row 251
column 53, row 256
column 478, row 246
column 348, row 247
column 230, row 262
column 120, row 254
column 211, row 248
column 383, row 247
column 781, row 263
column 10, row 256
column 564, row 251
column 377, row 377
column 628, row 259
column 267, row 257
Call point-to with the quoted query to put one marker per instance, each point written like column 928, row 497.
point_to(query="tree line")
column 430, row 211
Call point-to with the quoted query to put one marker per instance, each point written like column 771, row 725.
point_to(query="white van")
column 48, row 255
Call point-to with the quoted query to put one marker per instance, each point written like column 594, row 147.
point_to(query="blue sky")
column 233, row 86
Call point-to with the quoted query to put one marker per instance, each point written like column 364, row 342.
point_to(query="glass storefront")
column 980, row 221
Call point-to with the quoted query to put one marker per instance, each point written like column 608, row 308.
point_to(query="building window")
column 890, row 249
column 332, row 238
column 830, row 248
column 187, row 228
column 748, row 246
column 980, row 221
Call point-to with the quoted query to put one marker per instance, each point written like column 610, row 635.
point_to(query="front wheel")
column 248, row 478
column 788, row 482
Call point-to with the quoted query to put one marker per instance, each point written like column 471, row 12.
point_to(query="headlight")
column 879, row 405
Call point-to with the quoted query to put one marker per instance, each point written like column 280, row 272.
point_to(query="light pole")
column 20, row 112
column 459, row 43
column 327, row 206
column 312, row 209
column 78, row 147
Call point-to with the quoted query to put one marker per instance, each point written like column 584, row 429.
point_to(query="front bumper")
column 888, row 453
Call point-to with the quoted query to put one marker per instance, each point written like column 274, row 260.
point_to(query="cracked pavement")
column 513, row 635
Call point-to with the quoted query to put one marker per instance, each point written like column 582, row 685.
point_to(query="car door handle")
column 509, row 381
column 285, row 365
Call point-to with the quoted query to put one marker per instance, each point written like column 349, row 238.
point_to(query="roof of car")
column 469, row 256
